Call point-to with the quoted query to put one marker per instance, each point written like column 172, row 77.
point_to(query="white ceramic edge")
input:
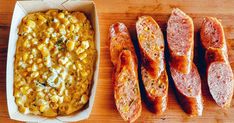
column 31, row 118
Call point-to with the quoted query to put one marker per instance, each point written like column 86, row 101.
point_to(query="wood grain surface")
column 127, row 11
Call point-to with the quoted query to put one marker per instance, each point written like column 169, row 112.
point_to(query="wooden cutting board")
column 127, row 11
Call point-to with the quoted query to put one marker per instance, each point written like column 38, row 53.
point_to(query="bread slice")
column 180, row 34
column 153, row 72
column 125, row 74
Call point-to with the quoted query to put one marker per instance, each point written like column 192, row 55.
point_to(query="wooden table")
column 126, row 11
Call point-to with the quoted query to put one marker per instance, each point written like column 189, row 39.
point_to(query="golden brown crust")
column 218, row 67
column 212, row 34
column 154, row 75
column 125, row 74
column 180, row 34
column 188, row 90
column 214, row 54
column 119, row 40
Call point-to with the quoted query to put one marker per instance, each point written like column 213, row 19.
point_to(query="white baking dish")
column 22, row 8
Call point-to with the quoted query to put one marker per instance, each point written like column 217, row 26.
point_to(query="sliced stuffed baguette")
column 180, row 34
column 153, row 72
column 125, row 73
column 184, row 73
column 219, row 72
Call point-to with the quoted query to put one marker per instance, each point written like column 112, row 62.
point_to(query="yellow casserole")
column 54, row 63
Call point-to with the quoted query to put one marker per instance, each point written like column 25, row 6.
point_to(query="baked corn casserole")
column 54, row 63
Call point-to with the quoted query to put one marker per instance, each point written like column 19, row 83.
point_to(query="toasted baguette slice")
column 154, row 75
column 125, row 74
column 188, row 90
column 219, row 72
column 212, row 34
column 119, row 40
column 180, row 34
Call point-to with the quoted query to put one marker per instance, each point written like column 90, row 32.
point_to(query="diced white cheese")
column 51, row 79
column 75, row 38
column 68, row 64
column 48, row 61
column 34, row 52
column 34, row 67
column 85, row 44
column 22, row 64
column 63, row 74
column 54, row 34
column 27, row 111
column 62, row 88
column 50, row 30
column 56, row 20
column 60, row 99
column 46, row 40
column 63, row 60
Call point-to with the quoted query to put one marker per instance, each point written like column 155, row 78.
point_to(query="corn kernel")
column 45, row 52
column 84, row 99
column 126, row 108
column 25, row 57
column 22, row 109
column 43, row 108
column 50, row 30
column 54, row 98
column 18, row 94
column 31, row 23
column 26, row 44
column 30, row 61
column 79, row 50
column 51, row 45
column 19, row 101
column 54, row 13
column 73, row 19
column 65, row 21
column 34, row 67
column 68, row 64
column 70, row 45
column 39, row 60
column 40, row 94
column 72, row 27
column 31, row 56
column 79, row 66
column 62, row 31
column 83, row 56
column 153, row 91
column 25, row 73
column 35, row 74
column 77, row 28
column 60, row 15
column 34, row 51
column 19, row 84
column 40, row 47
column 84, row 73
column 63, row 60
column 24, row 89
column 40, row 65
column 84, row 86
column 41, row 19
